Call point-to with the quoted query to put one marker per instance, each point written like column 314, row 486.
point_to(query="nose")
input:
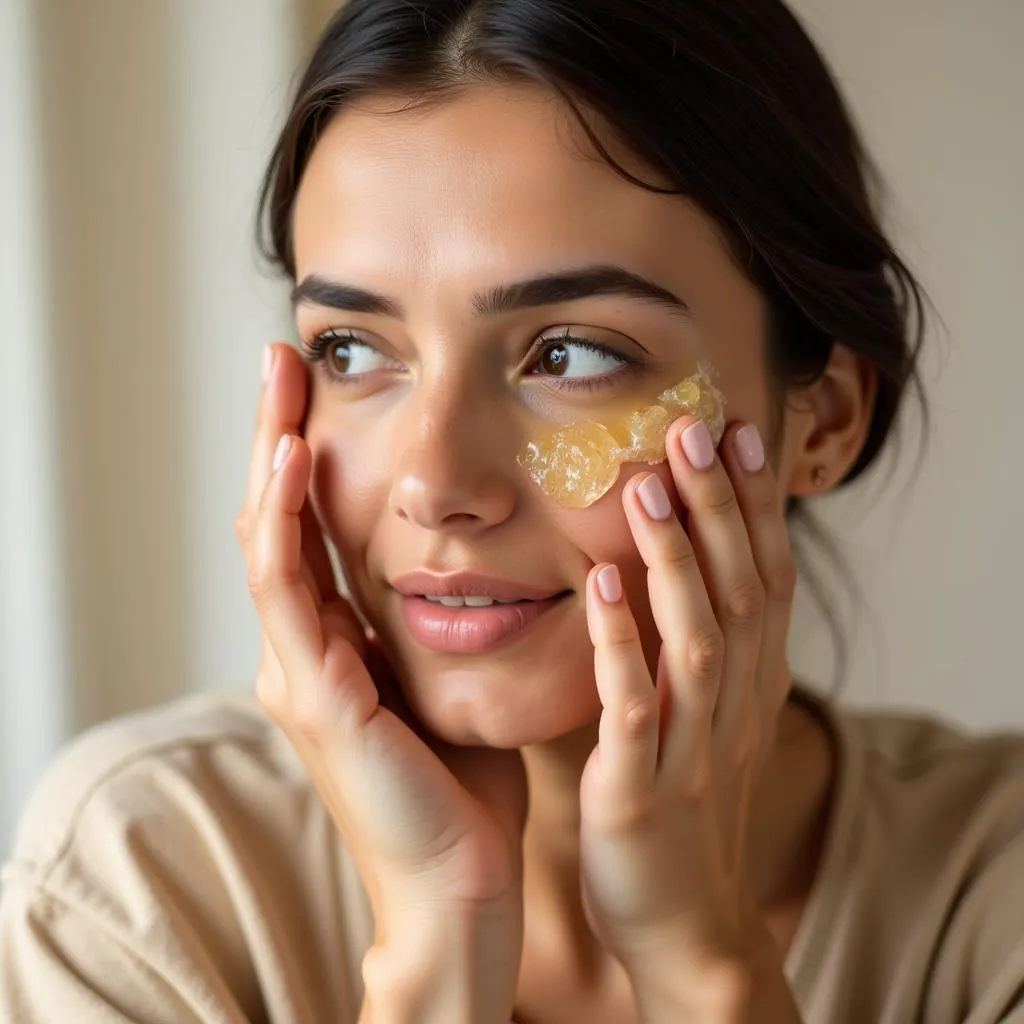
column 454, row 467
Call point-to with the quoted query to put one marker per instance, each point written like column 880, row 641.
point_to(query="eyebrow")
column 546, row 290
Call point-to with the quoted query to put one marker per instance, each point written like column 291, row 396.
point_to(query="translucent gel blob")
column 578, row 464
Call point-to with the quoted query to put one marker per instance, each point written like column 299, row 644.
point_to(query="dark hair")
column 727, row 99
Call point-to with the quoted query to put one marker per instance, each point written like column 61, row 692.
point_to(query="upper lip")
column 424, row 583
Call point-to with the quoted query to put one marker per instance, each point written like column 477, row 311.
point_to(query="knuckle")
column 641, row 715
column 634, row 817
column 705, row 654
column 261, row 589
column 679, row 555
column 745, row 603
column 721, row 503
column 307, row 717
column 763, row 504
column 270, row 692
column 266, row 583
column 622, row 640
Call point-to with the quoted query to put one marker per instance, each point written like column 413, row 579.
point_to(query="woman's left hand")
column 665, row 795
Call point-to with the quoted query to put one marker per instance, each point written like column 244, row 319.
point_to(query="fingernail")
column 268, row 363
column 654, row 498
column 281, row 451
column 749, row 448
column 609, row 584
column 697, row 445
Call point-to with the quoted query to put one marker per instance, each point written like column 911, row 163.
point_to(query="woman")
column 550, row 763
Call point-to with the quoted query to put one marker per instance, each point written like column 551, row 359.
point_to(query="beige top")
column 177, row 866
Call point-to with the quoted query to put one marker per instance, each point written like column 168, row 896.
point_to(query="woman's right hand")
column 432, row 828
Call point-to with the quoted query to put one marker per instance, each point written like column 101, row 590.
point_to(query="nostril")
column 457, row 518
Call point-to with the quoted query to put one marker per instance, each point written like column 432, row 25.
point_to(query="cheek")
column 743, row 378
column 602, row 534
column 349, row 480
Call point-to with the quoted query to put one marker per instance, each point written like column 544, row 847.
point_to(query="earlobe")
column 840, row 403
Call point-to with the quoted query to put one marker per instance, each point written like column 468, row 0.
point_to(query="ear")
column 835, row 414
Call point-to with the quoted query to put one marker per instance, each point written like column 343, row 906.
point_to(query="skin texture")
column 415, row 466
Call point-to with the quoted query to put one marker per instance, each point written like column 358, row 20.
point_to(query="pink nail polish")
column 749, row 448
column 281, row 451
column 697, row 445
column 654, row 498
column 268, row 363
column 609, row 584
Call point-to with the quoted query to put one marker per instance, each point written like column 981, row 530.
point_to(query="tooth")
column 507, row 600
column 479, row 602
column 452, row 602
column 434, row 600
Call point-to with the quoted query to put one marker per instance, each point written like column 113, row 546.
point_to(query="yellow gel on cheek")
column 578, row 464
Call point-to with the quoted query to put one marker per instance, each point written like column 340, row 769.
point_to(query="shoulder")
column 179, row 856
column 146, row 761
column 939, row 772
column 937, row 842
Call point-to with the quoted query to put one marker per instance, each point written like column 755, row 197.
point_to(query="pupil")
column 555, row 360
column 340, row 357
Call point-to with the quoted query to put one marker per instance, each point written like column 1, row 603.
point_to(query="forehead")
column 497, row 177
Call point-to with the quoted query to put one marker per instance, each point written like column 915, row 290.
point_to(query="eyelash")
column 629, row 363
column 317, row 347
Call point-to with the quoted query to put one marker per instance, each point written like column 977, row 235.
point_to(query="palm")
column 414, row 800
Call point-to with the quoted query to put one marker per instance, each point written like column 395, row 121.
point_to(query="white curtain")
column 132, row 318
column 133, row 311
column 34, row 684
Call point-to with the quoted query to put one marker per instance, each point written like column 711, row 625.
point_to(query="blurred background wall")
column 133, row 311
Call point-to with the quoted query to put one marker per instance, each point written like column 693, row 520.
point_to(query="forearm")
column 453, row 968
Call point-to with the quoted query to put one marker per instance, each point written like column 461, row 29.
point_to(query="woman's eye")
column 347, row 356
column 577, row 357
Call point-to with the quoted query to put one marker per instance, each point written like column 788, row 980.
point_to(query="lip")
column 468, row 630
column 424, row 583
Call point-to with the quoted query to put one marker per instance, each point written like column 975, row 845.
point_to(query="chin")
column 501, row 706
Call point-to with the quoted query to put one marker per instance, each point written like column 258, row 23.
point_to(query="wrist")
column 743, row 984
column 710, row 992
column 444, row 963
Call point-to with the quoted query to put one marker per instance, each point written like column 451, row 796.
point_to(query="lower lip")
column 467, row 630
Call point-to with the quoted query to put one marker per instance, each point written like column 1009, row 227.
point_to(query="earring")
column 819, row 476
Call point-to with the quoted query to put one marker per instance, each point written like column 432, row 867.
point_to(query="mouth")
column 471, row 613
column 469, row 601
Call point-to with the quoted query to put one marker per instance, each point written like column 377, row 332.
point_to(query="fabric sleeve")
column 64, row 963
column 176, row 867
column 128, row 896
column 978, row 974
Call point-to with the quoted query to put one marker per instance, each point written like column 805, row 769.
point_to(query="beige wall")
column 938, row 86
column 133, row 313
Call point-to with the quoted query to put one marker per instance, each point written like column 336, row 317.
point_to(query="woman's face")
column 426, row 393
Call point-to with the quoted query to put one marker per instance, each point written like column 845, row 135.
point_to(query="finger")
column 720, row 539
column 691, row 659
column 762, row 507
column 628, row 730
column 287, row 608
column 281, row 410
column 328, row 685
